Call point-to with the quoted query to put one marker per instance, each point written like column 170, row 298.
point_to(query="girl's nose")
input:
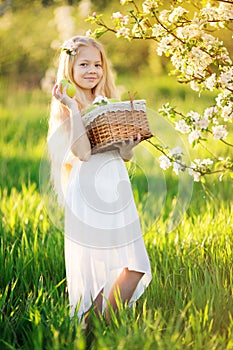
column 92, row 69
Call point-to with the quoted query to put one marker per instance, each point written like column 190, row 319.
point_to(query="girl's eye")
column 83, row 64
column 98, row 65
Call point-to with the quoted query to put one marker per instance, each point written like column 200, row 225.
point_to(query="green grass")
column 189, row 303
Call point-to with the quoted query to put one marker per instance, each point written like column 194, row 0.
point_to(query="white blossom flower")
column 164, row 44
column 217, row 16
column 219, row 132
column 158, row 30
column 163, row 15
column 123, row 32
column 125, row 20
column 137, row 30
column 196, row 62
column 89, row 32
column 219, row 99
column 165, row 162
column 199, row 166
column 203, row 123
column 177, row 60
column 196, row 175
column 177, row 167
column 225, row 11
column 176, row 151
column 176, row 14
column 182, row 126
column 119, row 17
column 193, row 115
column 227, row 113
column 123, row 2
column 189, row 31
column 210, row 82
column 210, row 111
column 69, row 47
column 205, row 163
column 222, row 97
column 194, row 85
column 226, row 78
column 194, row 135
column 209, row 12
column 149, row 5
column 100, row 100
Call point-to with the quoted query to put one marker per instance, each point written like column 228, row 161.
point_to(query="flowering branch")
column 199, row 59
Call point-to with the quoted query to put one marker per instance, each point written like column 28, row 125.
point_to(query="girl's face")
column 87, row 70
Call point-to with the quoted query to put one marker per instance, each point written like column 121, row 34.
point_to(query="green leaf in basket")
column 90, row 108
column 111, row 100
column 95, row 105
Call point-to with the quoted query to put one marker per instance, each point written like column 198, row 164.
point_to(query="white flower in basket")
column 100, row 100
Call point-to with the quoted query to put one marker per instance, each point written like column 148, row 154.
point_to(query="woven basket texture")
column 114, row 126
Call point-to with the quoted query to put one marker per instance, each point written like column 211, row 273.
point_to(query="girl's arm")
column 79, row 142
column 126, row 148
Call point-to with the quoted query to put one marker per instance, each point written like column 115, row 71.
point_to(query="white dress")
column 102, row 231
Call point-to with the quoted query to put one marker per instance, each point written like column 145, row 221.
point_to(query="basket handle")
column 132, row 98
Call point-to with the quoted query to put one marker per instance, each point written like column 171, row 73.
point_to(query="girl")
column 105, row 254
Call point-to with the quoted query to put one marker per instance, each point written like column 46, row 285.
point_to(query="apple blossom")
column 203, row 123
column 176, row 14
column 209, row 112
column 119, row 17
column 194, row 135
column 176, row 151
column 219, row 132
column 227, row 112
column 226, row 77
column 123, row 32
column 182, row 127
column 211, row 82
column 123, row 2
column 194, row 85
column 163, row 15
column 189, row 32
column 195, row 174
column 193, row 116
column 165, row 162
column 149, row 5
column 158, row 30
column 178, row 167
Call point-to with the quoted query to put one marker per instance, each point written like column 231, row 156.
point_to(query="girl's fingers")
column 58, row 92
column 139, row 138
column 54, row 91
column 59, row 87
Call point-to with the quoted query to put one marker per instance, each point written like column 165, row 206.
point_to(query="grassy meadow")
column 189, row 303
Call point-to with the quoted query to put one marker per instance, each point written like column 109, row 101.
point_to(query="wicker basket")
column 115, row 122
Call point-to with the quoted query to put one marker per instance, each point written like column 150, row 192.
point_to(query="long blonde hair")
column 59, row 122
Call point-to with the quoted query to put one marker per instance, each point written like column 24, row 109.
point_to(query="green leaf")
column 98, row 32
column 90, row 108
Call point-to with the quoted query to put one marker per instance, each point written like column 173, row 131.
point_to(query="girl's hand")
column 62, row 96
column 126, row 147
